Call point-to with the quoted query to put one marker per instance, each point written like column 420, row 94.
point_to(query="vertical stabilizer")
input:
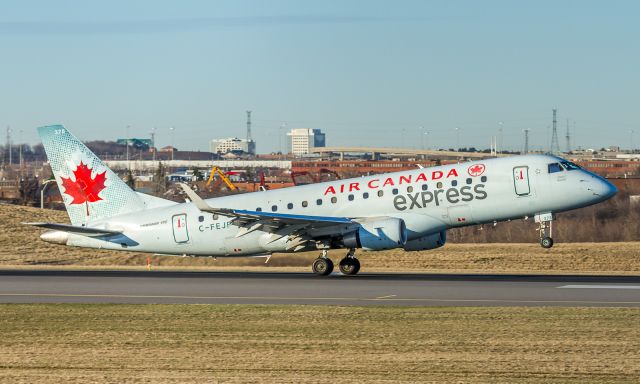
column 90, row 190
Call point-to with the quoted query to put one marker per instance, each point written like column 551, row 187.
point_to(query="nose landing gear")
column 545, row 229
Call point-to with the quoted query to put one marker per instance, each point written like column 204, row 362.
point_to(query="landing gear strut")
column 322, row 266
column 545, row 229
column 350, row 265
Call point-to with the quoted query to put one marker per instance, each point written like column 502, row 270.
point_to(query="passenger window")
column 439, row 185
column 483, row 179
column 409, row 189
column 201, row 218
column 365, row 195
column 454, row 183
column 394, row 191
column 469, row 181
column 258, row 209
column 333, row 200
column 290, row 205
column 274, row 208
column 569, row 166
column 380, row 193
column 555, row 167
column 319, row 201
column 425, row 187
column 305, row 204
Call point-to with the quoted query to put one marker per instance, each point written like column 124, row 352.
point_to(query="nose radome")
column 604, row 189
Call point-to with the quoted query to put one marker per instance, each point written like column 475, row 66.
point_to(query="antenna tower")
column 526, row 141
column 555, row 147
column 568, row 137
column 248, row 126
column 9, row 143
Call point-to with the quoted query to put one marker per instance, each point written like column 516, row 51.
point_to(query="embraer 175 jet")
column 409, row 209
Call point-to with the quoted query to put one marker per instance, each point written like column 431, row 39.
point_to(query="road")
column 47, row 286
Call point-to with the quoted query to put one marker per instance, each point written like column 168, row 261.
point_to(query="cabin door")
column 180, row 233
column 521, row 180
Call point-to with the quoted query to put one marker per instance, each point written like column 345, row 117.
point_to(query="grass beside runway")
column 252, row 343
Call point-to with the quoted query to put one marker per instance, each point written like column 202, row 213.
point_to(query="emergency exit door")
column 521, row 180
column 180, row 233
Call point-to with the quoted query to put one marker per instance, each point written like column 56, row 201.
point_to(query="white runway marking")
column 600, row 286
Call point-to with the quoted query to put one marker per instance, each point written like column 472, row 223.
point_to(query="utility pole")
column 9, row 143
column 127, row 138
column 555, row 147
column 568, row 137
column 500, row 137
column 153, row 142
column 173, row 149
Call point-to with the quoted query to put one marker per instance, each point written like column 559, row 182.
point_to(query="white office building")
column 302, row 140
column 233, row 144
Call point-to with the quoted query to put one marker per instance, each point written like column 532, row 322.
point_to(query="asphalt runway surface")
column 143, row 287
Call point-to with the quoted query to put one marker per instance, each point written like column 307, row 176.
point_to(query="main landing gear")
column 323, row 266
column 545, row 229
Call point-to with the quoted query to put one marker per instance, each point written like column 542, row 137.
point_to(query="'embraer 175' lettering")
column 409, row 209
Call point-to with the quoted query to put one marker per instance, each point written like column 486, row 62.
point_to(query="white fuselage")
column 429, row 201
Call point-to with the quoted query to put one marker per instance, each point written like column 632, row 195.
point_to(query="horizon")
column 363, row 72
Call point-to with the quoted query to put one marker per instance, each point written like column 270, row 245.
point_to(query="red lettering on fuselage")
column 401, row 179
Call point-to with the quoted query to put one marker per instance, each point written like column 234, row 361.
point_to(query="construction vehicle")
column 222, row 177
column 314, row 179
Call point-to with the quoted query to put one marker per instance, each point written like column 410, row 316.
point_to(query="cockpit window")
column 555, row 167
column 569, row 166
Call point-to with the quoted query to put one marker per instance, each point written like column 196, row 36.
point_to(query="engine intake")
column 375, row 235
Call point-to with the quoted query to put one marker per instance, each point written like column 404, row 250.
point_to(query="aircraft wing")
column 279, row 224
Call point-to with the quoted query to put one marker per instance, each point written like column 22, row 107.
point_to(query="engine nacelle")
column 375, row 235
column 436, row 240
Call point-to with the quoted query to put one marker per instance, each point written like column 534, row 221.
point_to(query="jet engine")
column 436, row 240
column 375, row 235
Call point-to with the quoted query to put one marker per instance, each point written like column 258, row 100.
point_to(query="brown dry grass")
column 20, row 246
column 47, row 343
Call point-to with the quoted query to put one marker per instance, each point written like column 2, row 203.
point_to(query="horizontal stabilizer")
column 85, row 231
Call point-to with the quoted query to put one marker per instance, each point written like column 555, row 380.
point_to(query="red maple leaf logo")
column 84, row 189
column 476, row 170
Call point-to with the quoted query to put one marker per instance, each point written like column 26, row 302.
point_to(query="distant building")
column 168, row 148
column 233, row 145
column 136, row 143
column 302, row 140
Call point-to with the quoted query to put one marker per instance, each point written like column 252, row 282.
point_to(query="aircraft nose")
column 603, row 189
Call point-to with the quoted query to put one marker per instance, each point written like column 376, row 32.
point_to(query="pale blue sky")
column 362, row 71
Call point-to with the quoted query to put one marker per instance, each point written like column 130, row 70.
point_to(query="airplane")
column 410, row 209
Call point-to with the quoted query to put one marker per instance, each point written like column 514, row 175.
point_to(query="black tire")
column 349, row 266
column 322, row 266
column 546, row 242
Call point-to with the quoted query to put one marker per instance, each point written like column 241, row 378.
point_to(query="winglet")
column 201, row 204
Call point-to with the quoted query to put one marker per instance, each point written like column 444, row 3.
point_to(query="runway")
column 143, row 287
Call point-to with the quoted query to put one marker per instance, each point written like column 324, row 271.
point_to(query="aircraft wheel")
column 349, row 266
column 322, row 266
column 546, row 242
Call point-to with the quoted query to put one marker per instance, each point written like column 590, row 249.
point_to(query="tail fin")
column 90, row 190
